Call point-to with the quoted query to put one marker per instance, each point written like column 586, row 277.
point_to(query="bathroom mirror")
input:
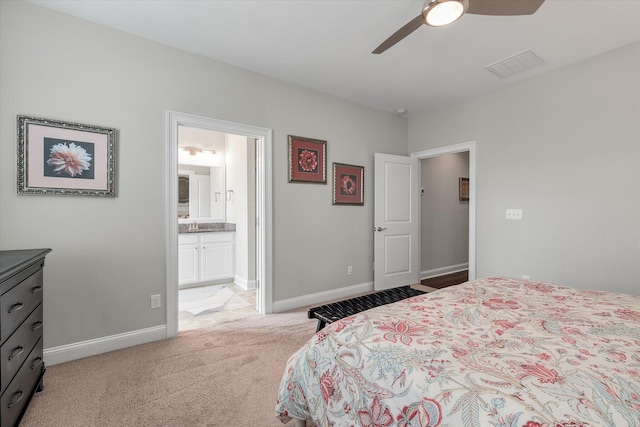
column 201, row 194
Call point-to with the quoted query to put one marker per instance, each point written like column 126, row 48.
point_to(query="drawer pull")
column 16, row 352
column 18, row 399
column 36, row 362
column 37, row 325
column 36, row 289
column 15, row 307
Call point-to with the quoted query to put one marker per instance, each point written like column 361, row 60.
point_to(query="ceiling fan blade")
column 504, row 7
column 403, row 32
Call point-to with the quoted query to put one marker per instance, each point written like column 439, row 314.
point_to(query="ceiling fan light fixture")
column 438, row 13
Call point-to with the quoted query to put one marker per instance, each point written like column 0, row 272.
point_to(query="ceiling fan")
column 437, row 13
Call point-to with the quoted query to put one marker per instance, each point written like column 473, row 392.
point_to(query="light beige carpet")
column 227, row 375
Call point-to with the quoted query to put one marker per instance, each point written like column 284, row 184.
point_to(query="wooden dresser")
column 21, row 363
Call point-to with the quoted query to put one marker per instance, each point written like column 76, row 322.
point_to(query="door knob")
column 379, row 228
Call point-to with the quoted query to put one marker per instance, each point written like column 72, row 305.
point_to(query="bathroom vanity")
column 206, row 255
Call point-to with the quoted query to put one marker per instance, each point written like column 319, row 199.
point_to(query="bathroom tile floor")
column 206, row 306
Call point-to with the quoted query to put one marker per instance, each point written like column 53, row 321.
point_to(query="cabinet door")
column 188, row 271
column 218, row 261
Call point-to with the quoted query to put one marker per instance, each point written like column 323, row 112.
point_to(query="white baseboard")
column 321, row 297
column 427, row 274
column 245, row 284
column 66, row 353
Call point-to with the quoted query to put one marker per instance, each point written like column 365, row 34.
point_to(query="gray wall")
column 564, row 147
column 444, row 218
column 109, row 254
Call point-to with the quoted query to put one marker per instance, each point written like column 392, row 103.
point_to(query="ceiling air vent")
column 515, row 64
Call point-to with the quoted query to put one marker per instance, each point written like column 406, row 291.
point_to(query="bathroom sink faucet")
column 193, row 226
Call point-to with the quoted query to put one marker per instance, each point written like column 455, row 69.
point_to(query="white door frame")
column 453, row 149
column 264, row 208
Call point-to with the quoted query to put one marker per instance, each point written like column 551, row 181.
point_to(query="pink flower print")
column 543, row 374
column 496, row 344
column 406, row 416
column 322, row 335
column 432, row 412
column 541, row 287
column 326, row 386
column 71, row 159
column 347, row 185
column 378, row 416
column 308, row 160
column 499, row 303
column 505, row 324
column 628, row 314
column 617, row 357
column 401, row 330
column 569, row 424
column 342, row 323
column 459, row 352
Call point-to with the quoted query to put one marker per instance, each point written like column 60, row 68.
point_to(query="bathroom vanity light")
column 197, row 156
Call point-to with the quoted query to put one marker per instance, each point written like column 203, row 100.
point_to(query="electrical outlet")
column 350, row 269
column 156, row 302
column 514, row 214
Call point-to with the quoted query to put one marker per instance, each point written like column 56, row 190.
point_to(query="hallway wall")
column 444, row 218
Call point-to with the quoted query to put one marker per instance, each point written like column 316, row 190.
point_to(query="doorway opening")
column 470, row 148
column 261, row 145
column 216, row 227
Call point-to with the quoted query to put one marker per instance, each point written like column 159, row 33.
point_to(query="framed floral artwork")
column 348, row 184
column 463, row 189
column 307, row 160
column 63, row 158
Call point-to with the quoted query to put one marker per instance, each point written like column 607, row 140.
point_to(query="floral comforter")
column 495, row 352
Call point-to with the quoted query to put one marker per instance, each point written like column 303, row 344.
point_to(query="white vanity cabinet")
column 188, row 259
column 205, row 257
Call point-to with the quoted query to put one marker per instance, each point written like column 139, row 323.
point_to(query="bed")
column 496, row 352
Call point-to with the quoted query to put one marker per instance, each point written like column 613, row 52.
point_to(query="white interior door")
column 396, row 221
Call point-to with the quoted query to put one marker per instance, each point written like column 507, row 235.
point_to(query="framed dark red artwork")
column 307, row 160
column 348, row 184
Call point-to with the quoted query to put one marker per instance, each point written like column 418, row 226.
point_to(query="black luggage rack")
column 330, row 313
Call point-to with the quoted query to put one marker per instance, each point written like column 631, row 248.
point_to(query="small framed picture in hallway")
column 463, row 189
column 348, row 184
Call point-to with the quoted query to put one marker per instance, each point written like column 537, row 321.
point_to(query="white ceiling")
column 200, row 138
column 326, row 44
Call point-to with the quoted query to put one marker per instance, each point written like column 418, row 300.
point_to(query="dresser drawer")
column 19, row 302
column 15, row 398
column 16, row 349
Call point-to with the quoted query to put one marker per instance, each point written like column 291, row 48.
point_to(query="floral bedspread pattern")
column 496, row 352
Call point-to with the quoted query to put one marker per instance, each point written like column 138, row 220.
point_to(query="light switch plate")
column 156, row 302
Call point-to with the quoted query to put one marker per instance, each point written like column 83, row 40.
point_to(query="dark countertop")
column 217, row 227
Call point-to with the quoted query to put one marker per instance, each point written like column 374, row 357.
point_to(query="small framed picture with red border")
column 307, row 160
column 348, row 184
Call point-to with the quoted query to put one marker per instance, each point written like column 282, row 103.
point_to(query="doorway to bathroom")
column 228, row 252
column 216, row 227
